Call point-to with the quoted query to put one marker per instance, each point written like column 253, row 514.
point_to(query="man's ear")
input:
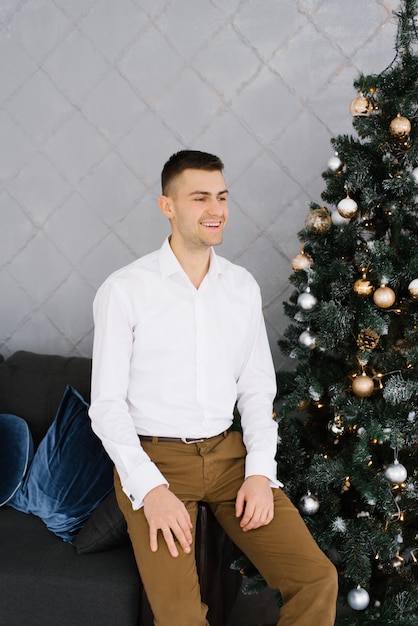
column 164, row 203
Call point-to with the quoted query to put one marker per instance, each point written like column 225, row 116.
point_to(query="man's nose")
column 216, row 207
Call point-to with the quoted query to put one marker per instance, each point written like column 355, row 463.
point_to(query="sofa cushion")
column 32, row 385
column 16, row 452
column 70, row 472
column 106, row 528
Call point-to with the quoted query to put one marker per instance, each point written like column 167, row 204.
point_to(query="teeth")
column 211, row 224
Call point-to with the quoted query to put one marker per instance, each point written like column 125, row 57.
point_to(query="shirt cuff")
column 141, row 481
column 257, row 464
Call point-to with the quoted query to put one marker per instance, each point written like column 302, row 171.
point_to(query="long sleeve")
column 256, row 390
column 109, row 411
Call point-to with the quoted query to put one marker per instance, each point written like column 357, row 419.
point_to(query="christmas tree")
column 348, row 413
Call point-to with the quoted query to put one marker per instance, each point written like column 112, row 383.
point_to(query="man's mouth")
column 211, row 224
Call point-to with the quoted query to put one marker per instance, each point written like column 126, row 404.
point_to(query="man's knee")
column 329, row 577
column 321, row 583
column 179, row 614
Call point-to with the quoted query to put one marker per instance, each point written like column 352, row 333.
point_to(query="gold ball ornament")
column 318, row 220
column 301, row 261
column 363, row 386
column 363, row 287
column 400, row 126
column 360, row 106
column 347, row 207
column 384, row 297
column 413, row 288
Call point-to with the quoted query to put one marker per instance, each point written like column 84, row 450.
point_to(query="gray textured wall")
column 96, row 94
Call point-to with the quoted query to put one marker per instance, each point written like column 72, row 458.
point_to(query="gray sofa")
column 47, row 581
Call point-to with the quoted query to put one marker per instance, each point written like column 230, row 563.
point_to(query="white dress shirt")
column 171, row 360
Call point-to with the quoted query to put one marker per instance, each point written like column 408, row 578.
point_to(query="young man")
column 179, row 339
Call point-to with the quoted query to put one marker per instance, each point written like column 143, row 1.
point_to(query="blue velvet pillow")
column 70, row 473
column 16, row 452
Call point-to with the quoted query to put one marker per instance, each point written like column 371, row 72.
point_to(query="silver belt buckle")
column 188, row 441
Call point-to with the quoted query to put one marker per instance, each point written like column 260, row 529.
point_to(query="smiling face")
column 197, row 209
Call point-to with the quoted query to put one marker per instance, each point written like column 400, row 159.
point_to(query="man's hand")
column 254, row 503
column 165, row 512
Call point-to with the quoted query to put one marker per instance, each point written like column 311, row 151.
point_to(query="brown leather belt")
column 187, row 440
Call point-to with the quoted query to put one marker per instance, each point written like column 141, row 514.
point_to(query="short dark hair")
column 187, row 159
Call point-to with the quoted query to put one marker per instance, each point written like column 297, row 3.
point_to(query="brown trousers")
column 284, row 552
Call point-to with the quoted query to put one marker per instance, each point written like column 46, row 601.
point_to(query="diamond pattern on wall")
column 95, row 95
column 39, row 188
column 76, row 66
column 39, row 25
column 112, row 26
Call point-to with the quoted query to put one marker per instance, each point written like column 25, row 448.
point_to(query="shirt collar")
column 170, row 266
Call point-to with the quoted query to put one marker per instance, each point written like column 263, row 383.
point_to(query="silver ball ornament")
column 414, row 175
column 358, row 598
column 307, row 340
column 309, row 504
column 396, row 473
column 307, row 301
column 335, row 164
